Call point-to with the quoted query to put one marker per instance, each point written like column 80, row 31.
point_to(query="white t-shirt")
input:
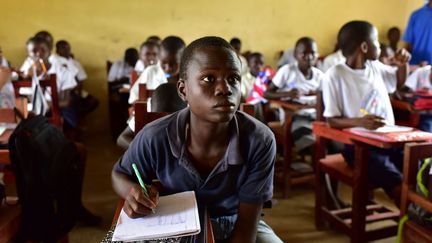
column 244, row 67
column 289, row 77
column 139, row 66
column 347, row 90
column 81, row 75
column 247, row 82
column 153, row 76
column 331, row 60
column 118, row 70
column 420, row 79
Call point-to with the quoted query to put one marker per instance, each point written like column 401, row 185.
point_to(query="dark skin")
column 306, row 55
column 170, row 64
column 149, row 54
column 212, row 90
column 393, row 37
column 256, row 64
column 370, row 50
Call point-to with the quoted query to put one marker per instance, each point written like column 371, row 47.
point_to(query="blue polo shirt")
column 419, row 34
column 244, row 174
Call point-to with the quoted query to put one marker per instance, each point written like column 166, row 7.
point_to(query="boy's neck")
column 306, row 71
column 356, row 62
column 208, row 134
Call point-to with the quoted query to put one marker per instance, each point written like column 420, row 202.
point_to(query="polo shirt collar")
column 176, row 133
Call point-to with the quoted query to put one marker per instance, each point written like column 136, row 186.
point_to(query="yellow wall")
column 99, row 30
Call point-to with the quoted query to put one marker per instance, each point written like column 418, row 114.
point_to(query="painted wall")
column 101, row 30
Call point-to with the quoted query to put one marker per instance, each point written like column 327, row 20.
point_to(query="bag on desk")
column 47, row 175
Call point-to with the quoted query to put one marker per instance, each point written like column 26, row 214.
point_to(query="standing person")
column 418, row 35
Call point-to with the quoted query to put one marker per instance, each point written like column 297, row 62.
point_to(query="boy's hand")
column 371, row 122
column 137, row 204
column 293, row 94
column 402, row 56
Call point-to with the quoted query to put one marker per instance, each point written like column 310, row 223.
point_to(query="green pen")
column 135, row 168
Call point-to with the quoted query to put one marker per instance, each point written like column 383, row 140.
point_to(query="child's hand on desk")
column 371, row 122
column 137, row 204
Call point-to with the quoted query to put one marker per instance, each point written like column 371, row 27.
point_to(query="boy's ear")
column 364, row 47
column 181, row 89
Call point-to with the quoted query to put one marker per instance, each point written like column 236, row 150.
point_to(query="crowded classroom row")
column 210, row 117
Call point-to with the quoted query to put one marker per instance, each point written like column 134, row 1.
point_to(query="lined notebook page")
column 176, row 215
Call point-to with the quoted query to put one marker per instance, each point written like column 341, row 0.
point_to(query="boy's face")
column 170, row 62
column 373, row 44
column 256, row 64
column 41, row 51
column 212, row 88
column 394, row 36
column 306, row 54
column 149, row 54
column 64, row 50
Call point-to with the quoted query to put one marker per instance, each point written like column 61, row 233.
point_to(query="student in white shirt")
column 355, row 95
column 121, row 70
column 166, row 70
column 7, row 95
column 149, row 52
column 236, row 44
column 331, row 60
column 256, row 65
column 299, row 82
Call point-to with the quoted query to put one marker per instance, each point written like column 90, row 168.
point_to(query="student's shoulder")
column 336, row 70
column 252, row 129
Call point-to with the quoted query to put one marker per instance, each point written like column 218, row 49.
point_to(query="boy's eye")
column 208, row 79
column 234, row 79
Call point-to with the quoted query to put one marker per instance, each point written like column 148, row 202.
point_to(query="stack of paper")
column 176, row 215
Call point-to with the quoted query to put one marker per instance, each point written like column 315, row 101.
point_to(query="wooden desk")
column 209, row 229
column 4, row 137
column 9, row 220
column 360, row 179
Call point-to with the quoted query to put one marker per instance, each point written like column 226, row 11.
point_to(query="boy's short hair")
column 394, row 28
column 235, row 41
column 204, row 42
column 352, row 34
column 40, row 40
column 43, row 34
column 304, row 41
column 254, row 55
column 149, row 44
column 30, row 40
column 173, row 44
column 165, row 98
column 61, row 43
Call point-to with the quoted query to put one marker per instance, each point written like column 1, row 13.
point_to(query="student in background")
column 387, row 55
column 236, row 44
column 355, row 95
column 167, row 69
column 154, row 38
column 256, row 65
column 149, row 52
column 7, row 93
column 421, row 80
column 3, row 61
column 198, row 149
column 332, row 59
column 63, row 49
column 393, row 36
column 295, row 81
column 164, row 99
column 121, row 70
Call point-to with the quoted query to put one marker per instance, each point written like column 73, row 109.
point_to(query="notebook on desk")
column 176, row 215
column 393, row 134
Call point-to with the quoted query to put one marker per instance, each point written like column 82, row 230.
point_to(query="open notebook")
column 176, row 215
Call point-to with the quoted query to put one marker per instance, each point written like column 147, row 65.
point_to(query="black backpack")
column 46, row 167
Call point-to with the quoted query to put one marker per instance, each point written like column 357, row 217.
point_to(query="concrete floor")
column 292, row 219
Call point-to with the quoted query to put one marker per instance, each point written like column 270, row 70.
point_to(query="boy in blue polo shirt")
column 224, row 155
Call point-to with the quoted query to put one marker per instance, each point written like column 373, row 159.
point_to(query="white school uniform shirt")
column 347, row 90
column 153, row 76
column 420, row 79
column 331, row 60
column 81, row 75
column 139, row 66
column 7, row 92
column 246, row 84
column 287, row 57
column 118, row 70
column 289, row 77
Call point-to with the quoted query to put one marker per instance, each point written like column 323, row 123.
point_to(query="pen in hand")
column 141, row 182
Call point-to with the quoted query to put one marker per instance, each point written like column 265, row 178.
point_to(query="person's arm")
column 245, row 228
column 369, row 122
column 5, row 74
column 271, row 93
column 402, row 57
column 125, row 138
column 136, row 203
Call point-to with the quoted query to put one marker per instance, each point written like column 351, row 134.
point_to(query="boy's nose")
column 223, row 88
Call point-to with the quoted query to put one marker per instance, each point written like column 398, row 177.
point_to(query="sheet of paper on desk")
column 176, row 215
column 386, row 129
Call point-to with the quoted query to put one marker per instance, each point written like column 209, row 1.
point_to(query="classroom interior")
column 100, row 31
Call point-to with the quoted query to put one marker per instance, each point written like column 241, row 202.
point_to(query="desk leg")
column 360, row 195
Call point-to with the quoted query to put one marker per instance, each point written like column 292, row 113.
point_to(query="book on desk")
column 176, row 216
column 392, row 133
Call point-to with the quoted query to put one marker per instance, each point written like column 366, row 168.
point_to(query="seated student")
column 332, row 59
column 421, row 79
column 164, row 99
column 200, row 145
column 393, row 36
column 3, row 61
column 256, row 65
column 236, row 44
column 149, row 52
column 294, row 81
column 120, row 71
column 355, row 95
column 154, row 38
column 167, row 69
